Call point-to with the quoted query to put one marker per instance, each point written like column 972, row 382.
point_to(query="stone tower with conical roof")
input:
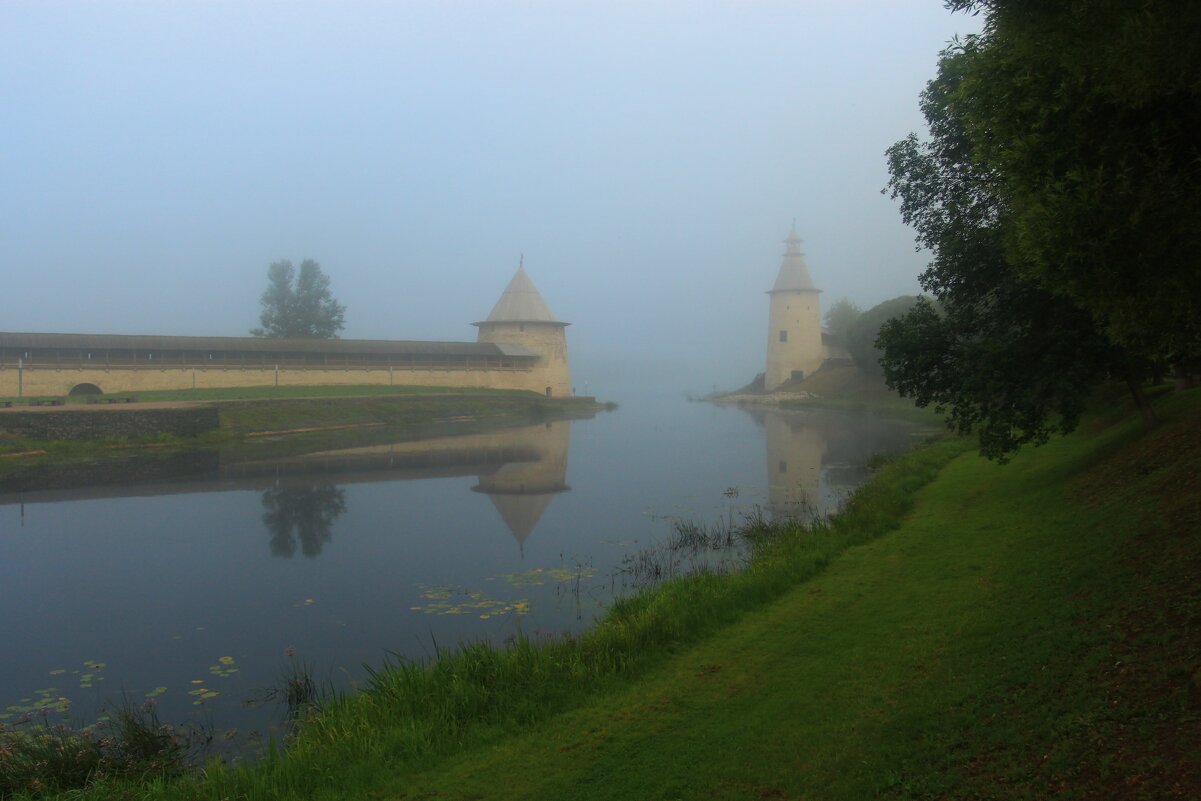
column 794, row 341
column 521, row 318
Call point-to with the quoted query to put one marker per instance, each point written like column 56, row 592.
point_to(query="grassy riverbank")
column 965, row 630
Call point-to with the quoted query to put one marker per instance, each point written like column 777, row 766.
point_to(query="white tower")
column 794, row 337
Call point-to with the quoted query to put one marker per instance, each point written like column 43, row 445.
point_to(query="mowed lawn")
column 1030, row 632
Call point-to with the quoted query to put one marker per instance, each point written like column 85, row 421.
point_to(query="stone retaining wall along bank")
column 101, row 423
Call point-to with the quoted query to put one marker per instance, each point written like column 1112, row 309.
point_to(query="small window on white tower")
column 783, row 336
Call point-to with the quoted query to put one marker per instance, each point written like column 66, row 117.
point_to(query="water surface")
column 197, row 579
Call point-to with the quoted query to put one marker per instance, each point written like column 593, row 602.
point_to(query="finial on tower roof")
column 793, row 241
column 793, row 275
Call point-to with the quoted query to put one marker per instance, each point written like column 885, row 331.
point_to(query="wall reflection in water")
column 520, row 469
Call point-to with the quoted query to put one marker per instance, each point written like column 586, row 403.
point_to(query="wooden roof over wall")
column 102, row 342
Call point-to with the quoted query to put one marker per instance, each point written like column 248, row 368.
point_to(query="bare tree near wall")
column 299, row 306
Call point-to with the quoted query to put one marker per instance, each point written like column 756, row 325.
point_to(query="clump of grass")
column 689, row 540
column 688, row 534
column 39, row 758
column 649, row 566
column 297, row 691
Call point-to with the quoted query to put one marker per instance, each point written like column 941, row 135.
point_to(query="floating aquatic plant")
column 456, row 601
column 224, row 667
column 545, row 575
column 46, row 699
column 202, row 694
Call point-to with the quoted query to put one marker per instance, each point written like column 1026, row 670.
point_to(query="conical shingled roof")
column 521, row 303
column 793, row 275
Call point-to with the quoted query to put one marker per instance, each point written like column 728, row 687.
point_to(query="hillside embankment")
column 964, row 630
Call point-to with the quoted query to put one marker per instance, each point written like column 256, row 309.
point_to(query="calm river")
column 197, row 580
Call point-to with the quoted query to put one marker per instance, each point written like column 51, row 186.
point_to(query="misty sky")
column 646, row 157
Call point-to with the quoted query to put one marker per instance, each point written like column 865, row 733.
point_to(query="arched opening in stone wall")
column 85, row 389
column 548, row 392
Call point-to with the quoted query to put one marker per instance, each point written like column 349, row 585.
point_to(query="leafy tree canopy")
column 299, row 306
column 1088, row 115
column 1000, row 354
column 861, row 334
column 839, row 318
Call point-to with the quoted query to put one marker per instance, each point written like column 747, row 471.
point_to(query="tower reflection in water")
column 794, row 466
column 521, row 490
column 816, row 457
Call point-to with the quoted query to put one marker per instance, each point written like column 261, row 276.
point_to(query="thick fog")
column 647, row 158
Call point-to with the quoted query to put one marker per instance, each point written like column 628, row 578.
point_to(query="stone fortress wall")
column 38, row 380
column 520, row 346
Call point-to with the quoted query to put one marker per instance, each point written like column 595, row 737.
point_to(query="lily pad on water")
column 224, row 667
column 202, row 694
column 545, row 575
column 456, row 601
column 47, row 699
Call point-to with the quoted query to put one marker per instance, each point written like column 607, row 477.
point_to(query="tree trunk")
column 1140, row 400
